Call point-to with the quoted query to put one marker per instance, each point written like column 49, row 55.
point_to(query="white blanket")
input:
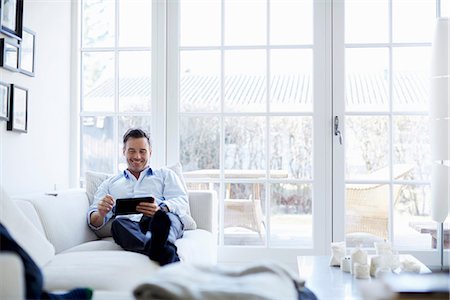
column 184, row 281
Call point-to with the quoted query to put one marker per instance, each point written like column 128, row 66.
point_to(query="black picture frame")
column 4, row 101
column 11, row 18
column 9, row 55
column 26, row 52
column 18, row 109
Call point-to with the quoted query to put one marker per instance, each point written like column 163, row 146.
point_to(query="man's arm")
column 175, row 197
column 100, row 210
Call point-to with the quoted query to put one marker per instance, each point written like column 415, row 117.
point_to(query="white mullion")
column 322, row 143
column 164, row 81
column 391, row 130
column 109, row 49
column 338, row 96
column 267, row 186
column 75, row 93
column 222, row 128
column 385, row 45
column 116, row 91
column 247, row 47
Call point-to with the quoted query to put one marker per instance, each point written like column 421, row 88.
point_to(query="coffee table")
column 330, row 282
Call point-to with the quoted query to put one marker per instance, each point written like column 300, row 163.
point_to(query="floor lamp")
column 440, row 120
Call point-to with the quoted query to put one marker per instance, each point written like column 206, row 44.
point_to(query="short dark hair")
column 136, row 133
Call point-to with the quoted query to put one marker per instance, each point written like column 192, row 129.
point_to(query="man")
column 154, row 230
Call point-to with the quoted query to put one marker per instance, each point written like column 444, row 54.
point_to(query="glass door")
column 382, row 53
column 251, row 104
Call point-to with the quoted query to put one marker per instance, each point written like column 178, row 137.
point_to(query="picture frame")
column 18, row 109
column 26, row 52
column 9, row 55
column 4, row 101
column 11, row 18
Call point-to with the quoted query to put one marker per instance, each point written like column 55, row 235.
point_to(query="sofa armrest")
column 12, row 277
column 203, row 205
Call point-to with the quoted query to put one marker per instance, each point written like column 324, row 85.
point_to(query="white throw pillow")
column 93, row 181
column 188, row 221
column 24, row 232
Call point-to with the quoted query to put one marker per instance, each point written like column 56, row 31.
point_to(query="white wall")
column 39, row 159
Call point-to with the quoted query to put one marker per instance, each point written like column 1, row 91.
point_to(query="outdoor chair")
column 245, row 213
column 367, row 205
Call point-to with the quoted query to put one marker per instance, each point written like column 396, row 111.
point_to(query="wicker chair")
column 245, row 213
column 367, row 205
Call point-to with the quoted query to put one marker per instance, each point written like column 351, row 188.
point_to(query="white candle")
column 337, row 253
column 358, row 256
column 376, row 262
column 361, row 271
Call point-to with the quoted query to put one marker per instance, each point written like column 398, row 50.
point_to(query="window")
column 244, row 95
column 116, row 71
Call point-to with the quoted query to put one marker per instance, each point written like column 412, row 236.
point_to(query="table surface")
column 332, row 283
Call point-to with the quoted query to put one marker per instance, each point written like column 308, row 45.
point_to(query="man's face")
column 137, row 153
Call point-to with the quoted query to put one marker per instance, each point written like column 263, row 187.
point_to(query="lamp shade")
column 440, row 120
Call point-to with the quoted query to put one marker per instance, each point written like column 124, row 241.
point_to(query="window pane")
column 413, row 21
column 291, row 215
column 200, row 145
column 411, row 78
column 244, row 214
column 135, row 81
column 366, row 21
column 291, row 146
column 127, row 122
column 245, row 145
column 200, row 29
column 445, row 8
column 98, row 31
column 366, row 214
column 97, row 148
column 412, row 146
column 412, row 206
column 367, row 148
column 366, row 79
column 135, row 23
column 200, row 81
column 245, row 22
column 285, row 15
column 98, row 81
column 291, row 80
column 245, row 80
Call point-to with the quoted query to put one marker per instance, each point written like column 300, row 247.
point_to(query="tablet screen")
column 126, row 206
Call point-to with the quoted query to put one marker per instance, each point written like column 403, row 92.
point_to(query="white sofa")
column 53, row 230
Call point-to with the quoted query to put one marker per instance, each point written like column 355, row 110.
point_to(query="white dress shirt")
column 162, row 184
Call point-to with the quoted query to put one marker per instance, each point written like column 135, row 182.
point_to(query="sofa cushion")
column 197, row 246
column 106, row 244
column 63, row 217
column 24, row 232
column 99, row 270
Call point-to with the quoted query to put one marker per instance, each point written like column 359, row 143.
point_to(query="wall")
column 39, row 159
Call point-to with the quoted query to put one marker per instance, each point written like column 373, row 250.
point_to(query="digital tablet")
column 126, row 206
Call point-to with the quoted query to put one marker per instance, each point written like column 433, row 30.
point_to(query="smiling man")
column 156, row 226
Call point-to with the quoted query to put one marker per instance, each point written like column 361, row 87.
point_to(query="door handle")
column 337, row 132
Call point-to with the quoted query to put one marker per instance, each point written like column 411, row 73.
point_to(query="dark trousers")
column 136, row 236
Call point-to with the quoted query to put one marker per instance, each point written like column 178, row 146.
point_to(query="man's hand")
column 148, row 209
column 104, row 206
